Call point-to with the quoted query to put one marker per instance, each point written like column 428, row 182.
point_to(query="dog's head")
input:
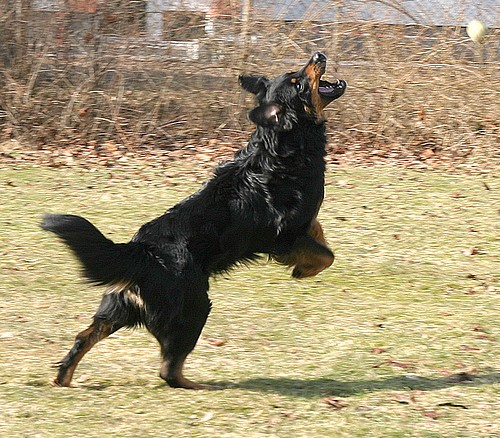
column 283, row 101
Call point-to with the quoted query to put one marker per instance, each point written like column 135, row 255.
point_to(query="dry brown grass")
column 415, row 92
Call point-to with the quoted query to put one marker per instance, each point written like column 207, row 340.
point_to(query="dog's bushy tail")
column 104, row 262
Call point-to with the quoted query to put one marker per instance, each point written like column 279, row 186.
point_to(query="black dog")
column 264, row 201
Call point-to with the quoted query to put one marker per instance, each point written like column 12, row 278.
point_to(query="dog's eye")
column 299, row 86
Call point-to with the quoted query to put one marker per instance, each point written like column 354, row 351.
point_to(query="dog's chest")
column 299, row 193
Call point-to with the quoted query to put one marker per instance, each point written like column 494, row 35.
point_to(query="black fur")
column 264, row 201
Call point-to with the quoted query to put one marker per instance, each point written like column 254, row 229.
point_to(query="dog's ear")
column 253, row 84
column 267, row 115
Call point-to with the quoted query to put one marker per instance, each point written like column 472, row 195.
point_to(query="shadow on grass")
column 313, row 388
column 324, row 386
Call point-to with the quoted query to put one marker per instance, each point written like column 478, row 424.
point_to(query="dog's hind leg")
column 118, row 308
column 84, row 341
column 180, row 339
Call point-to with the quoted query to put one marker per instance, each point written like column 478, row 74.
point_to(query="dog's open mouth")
column 323, row 91
column 331, row 91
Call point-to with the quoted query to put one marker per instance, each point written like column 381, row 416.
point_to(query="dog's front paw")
column 302, row 271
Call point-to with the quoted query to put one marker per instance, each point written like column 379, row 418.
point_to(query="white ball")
column 476, row 30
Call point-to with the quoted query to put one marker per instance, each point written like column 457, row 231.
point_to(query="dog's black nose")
column 318, row 57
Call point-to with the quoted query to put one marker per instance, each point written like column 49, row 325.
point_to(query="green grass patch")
column 399, row 338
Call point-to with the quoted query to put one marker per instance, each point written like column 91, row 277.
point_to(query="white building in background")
column 405, row 12
column 402, row 12
column 155, row 10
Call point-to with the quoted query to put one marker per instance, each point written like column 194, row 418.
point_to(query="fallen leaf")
column 486, row 338
column 216, row 342
column 427, row 153
column 431, row 414
column 335, row 403
column 469, row 348
column 398, row 364
column 289, row 415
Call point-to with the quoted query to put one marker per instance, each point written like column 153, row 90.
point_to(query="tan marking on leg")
column 310, row 264
column 305, row 261
column 316, row 232
column 89, row 337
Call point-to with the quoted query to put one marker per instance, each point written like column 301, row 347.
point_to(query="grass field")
column 400, row 338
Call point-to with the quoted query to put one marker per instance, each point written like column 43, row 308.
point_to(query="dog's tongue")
column 327, row 88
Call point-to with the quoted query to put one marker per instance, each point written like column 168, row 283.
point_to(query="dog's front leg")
column 311, row 257
column 309, row 254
